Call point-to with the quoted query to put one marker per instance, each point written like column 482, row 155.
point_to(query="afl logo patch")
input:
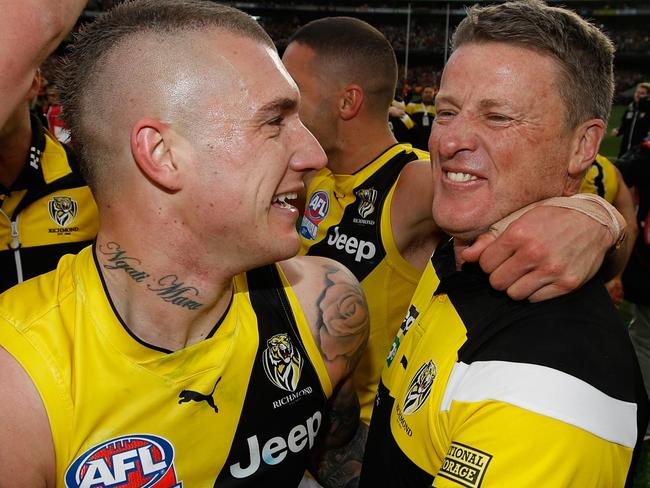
column 419, row 387
column 282, row 362
column 319, row 207
column 315, row 212
column 130, row 461
column 63, row 210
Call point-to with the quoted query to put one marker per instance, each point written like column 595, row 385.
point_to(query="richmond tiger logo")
column 63, row 210
column 282, row 362
column 420, row 387
column 368, row 198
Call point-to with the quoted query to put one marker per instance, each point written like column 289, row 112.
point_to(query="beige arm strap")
column 592, row 206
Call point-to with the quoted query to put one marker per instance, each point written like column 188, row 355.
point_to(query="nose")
column 452, row 136
column 309, row 154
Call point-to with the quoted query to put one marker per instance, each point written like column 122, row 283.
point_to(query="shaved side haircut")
column 356, row 52
column 83, row 77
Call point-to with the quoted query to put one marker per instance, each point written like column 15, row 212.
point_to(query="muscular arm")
column 337, row 461
column 26, row 450
column 29, row 31
column 336, row 309
column 414, row 230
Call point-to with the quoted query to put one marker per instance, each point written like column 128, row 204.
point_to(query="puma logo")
column 195, row 396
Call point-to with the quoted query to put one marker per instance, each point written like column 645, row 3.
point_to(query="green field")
column 609, row 146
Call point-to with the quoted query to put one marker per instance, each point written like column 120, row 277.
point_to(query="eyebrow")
column 274, row 106
column 483, row 104
column 490, row 102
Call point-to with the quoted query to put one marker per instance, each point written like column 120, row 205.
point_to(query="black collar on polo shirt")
column 32, row 172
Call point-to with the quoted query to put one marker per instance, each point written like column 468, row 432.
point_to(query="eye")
column 275, row 126
column 444, row 114
column 277, row 121
column 498, row 118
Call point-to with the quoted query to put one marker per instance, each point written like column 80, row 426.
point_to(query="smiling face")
column 248, row 150
column 496, row 147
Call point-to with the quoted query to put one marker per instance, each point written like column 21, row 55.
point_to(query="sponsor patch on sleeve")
column 465, row 465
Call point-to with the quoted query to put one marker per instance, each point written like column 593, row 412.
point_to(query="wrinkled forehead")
column 498, row 68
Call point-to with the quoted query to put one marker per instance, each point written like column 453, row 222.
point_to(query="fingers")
column 516, row 277
column 546, row 293
column 473, row 252
column 514, row 249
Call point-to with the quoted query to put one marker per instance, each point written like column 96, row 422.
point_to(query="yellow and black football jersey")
column 347, row 218
column 600, row 179
column 483, row 391
column 243, row 407
column 48, row 212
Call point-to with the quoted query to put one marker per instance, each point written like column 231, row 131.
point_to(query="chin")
column 289, row 248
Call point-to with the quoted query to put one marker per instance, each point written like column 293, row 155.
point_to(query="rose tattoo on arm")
column 343, row 320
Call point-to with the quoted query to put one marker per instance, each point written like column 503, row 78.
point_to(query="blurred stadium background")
column 419, row 31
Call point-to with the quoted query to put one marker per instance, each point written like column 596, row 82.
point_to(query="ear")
column 584, row 148
column 36, row 85
column 351, row 101
column 151, row 147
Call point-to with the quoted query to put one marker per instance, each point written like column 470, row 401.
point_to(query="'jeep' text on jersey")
column 347, row 218
column 243, row 407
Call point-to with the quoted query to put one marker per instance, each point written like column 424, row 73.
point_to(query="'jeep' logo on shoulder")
column 359, row 248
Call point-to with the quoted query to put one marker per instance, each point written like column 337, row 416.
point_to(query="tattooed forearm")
column 343, row 319
column 169, row 288
column 341, row 468
column 338, row 464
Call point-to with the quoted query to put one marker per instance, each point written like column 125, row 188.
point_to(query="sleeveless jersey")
column 483, row 391
column 48, row 212
column 600, row 179
column 347, row 218
column 241, row 408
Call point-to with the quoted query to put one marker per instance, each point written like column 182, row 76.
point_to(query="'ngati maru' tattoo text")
column 169, row 288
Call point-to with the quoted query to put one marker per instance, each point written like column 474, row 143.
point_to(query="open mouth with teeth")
column 460, row 177
column 281, row 200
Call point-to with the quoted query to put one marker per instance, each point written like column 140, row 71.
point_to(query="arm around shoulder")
column 26, row 448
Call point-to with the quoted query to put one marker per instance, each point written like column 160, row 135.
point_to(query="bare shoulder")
column 335, row 308
column 413, row 193
column 26, row 448
column 414, row 230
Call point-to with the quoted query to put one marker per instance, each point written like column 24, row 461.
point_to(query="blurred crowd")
column 427, row 34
